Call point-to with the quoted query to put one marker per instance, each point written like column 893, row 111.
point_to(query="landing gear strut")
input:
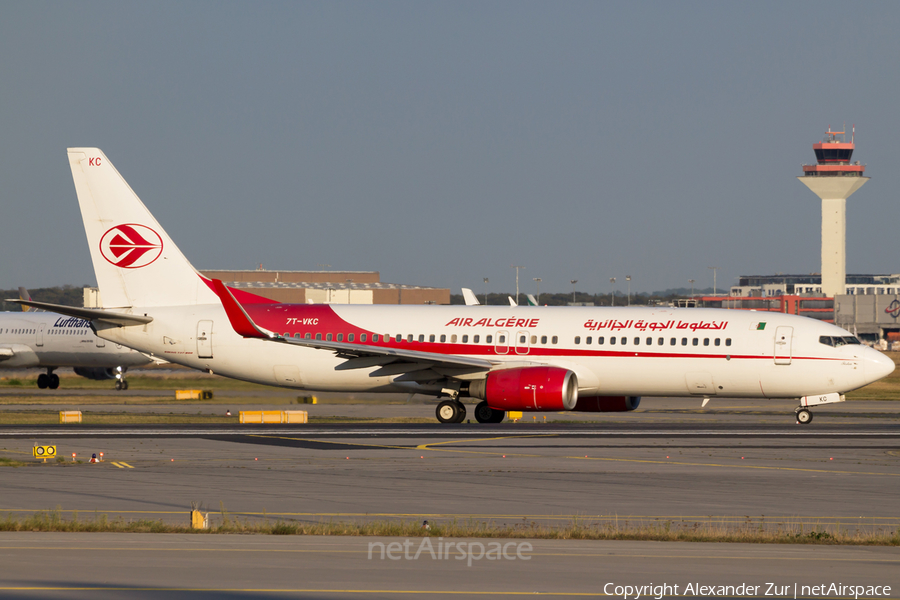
column 486, row 414
column 121, row 384
column 48, row 380
column 451, row 411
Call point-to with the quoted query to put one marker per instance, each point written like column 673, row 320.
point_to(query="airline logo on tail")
column 131, row 246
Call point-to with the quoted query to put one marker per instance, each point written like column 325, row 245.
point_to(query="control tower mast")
column 834, row 179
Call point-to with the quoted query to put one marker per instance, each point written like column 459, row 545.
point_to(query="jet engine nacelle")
column 607, row 403
column 528, row 388
column 97, row 373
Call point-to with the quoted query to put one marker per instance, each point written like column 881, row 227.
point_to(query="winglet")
column 469, row 297
column 240, row 320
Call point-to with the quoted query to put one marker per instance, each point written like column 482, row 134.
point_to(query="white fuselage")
column 50, row 340
column 657, row 351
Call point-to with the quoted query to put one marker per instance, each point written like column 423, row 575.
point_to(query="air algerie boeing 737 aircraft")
column 508, row 357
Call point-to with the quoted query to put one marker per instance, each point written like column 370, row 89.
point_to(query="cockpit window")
column 837, row 342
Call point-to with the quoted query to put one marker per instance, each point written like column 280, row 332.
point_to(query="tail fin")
column 24, row 295
column 135, row 261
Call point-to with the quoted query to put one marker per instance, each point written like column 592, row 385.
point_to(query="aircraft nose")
column 878, row 366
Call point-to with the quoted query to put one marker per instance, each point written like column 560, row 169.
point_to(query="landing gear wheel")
column 119, row 385
column 449, row 411
column 462, row 412
column 804, row 416
column 43, row 381
column 486, row 414
column 124, row 385
column 53, row 381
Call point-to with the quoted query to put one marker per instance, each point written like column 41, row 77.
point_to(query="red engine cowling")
column 607, row 403
column 528, row 389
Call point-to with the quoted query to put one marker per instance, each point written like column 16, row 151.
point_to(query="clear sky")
column 443, row 142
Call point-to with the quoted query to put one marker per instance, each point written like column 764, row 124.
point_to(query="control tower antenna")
column 834, row 179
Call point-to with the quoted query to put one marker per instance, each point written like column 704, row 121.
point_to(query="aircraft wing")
column 91, row 314
column 393, row 361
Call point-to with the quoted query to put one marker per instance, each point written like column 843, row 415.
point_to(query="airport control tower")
column 834, row 179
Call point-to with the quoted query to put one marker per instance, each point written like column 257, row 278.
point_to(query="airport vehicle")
column 46, row 340
column 510, row 358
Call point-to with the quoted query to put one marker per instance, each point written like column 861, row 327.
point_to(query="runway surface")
column 202, row 566
column 644, row 469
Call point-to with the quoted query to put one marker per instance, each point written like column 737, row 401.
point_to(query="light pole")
column 612, row 284
column 628, row 279
column 573, row 282
column 538, row 280
column 692, row 288
column 517, row 267
column 714, row 278
column 486, row 281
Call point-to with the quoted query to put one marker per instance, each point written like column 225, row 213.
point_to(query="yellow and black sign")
column 44, row 451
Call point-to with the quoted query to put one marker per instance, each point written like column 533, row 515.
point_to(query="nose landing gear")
column 121, row 383
column 804, row 416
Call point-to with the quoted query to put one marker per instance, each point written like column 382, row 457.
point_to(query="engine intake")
column 607, row 403
column 528, row 389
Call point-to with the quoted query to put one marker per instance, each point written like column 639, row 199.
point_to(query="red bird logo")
column 131, row 246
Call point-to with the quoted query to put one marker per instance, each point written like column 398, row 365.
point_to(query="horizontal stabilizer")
column 90, row 314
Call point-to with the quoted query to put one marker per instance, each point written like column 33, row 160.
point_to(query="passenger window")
column 649, row 341
column 475, row 339
column 362, row 337
column 624, row 340
column 543, row 339
column 340, row 337
column 577, row 339
column 443, row 338
column 318, row 336
column 600, row 341
column 488, row 339
column 612, row 341
column 421, row 337
column 308, row 336
column 706, row 341
column 375, row 337
column 696, row 341
column 684, row 341
column 727, row 341
column 522, row 339
column 637, row 341
column 409, row 338
column 661, row 341
column 351, row 337
column 533, row 340
column 554, row 339
column 588, row 340
column 672, row 342
column 452, row 339
column 465, row 339
column 717, row 341
column 328, row 338
column 431, row 338
column 501, row 339
column 399, row 338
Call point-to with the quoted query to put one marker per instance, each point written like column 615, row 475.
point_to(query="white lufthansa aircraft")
column 47, row 340
column 508, row 357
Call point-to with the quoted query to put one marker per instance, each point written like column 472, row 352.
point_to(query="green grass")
column 748, row 531
column 45, row 417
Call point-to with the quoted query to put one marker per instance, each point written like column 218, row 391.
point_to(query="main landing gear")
column 48, row 380
column 486, row 414
column 451, row 411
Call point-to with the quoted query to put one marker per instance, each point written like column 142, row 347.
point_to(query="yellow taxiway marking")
column 502, row 437
column 123, row 465
column 734, row 466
